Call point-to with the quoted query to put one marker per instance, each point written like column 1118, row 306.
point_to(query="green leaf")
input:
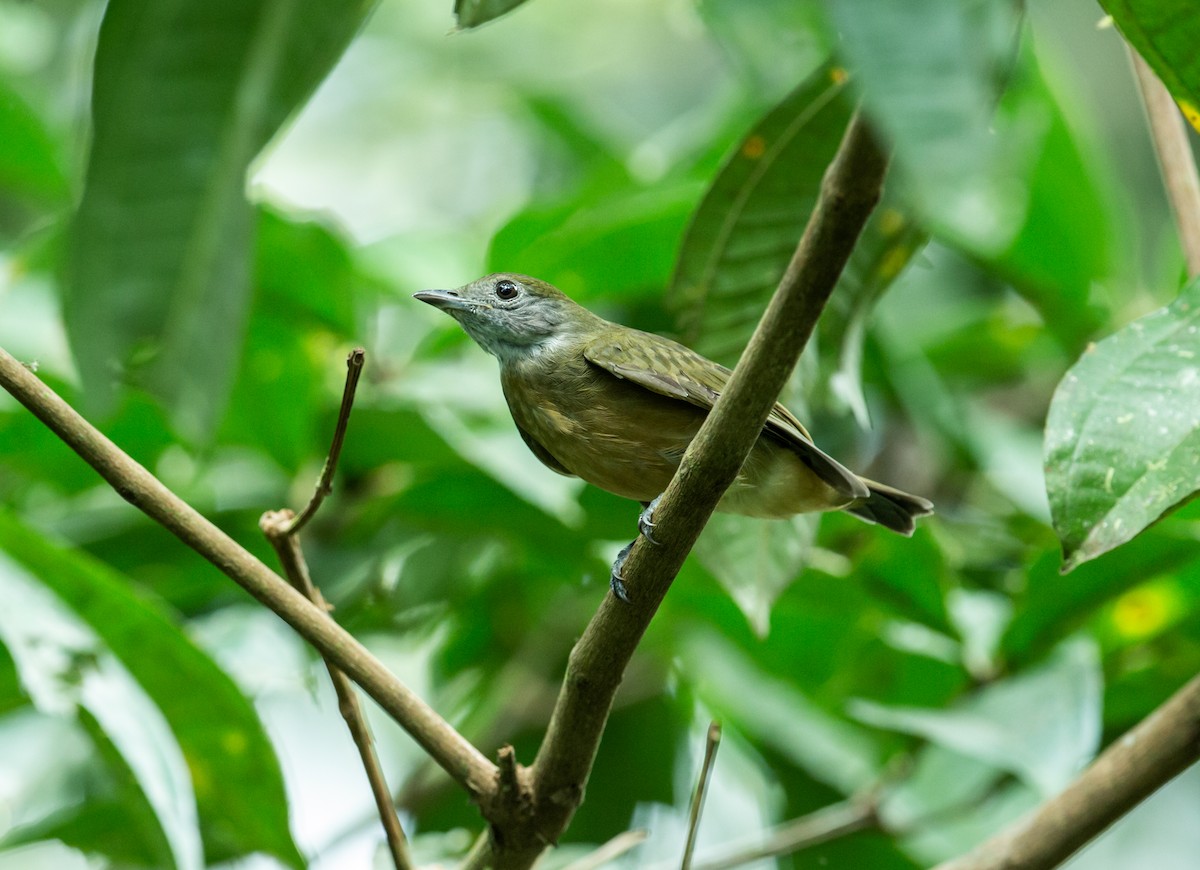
column 64, row 666
column 746, row 229
column 47, row 855
column 755, row 559
column 1123, row 431
column 1042, row 726
column 472, row 13
column 1165, row 33
column 777, row 714
column 29, row 167
column 234, row 773
column 930, row 72
column 184, row 96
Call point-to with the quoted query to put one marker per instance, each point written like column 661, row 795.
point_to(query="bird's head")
column 511, row 316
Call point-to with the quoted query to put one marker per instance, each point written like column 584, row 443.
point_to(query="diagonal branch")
column 849, row 192
column 1161, row 746
column 144, row 491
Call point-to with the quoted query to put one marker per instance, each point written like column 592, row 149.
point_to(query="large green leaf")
column 1165, row 33
column 184, row 96
column 755, row 559
column 1042, row 726
column 1123, row 432
column 777, row 714
column 30, row 173
column 234, row 773
column 929, row 72
column 746, row 229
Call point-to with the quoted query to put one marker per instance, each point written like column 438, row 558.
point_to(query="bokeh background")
column 152, row 715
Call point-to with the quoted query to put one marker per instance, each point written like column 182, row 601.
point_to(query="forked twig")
column 282, row 531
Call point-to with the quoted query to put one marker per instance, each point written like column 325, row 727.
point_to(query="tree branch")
column 1170, row 137
column 277, row 525
column 282, row 530
column 1161, row 746
column 144, row 491
column 849, row 192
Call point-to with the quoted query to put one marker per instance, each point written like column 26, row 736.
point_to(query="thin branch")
column 818, row 827
column 144, row 491
column 282, row 531
column 1170, row 136
column 849, row 192
column 610, row 851
column 276, row 526
column 711, row 743
column 354, row 367
column 1160, row 747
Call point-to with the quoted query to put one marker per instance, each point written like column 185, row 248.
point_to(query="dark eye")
column 506, row 290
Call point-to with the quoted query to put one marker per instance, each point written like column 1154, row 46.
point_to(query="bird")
column 618, row 407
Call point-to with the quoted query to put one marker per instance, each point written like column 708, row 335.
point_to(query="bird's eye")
column 506, row 290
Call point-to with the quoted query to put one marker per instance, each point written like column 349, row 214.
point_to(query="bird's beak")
column 446, row 300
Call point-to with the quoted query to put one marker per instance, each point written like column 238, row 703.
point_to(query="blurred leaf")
column 48, row 855
column 1165, row 33
column 1043, row 725
column 472, row 13
column 29, row 169
column 755, row 559
column 1123, row 431
column 1053, row 605
column 184, row 96
column 62, row 666
column 1068, row 239
column 930, row 72
column 302, row 324
column 950, row 802
column 744, row 232
column 464, row 405
column 237, row 782
column 602, row 249
column 776, row 713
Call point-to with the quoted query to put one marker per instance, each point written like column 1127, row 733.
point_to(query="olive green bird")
column 618, row 407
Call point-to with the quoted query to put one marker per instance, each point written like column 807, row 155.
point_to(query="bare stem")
column 711, row 743
column 850, row 190
column 144, row 491
column 610, row 851
column 354, row 367
column 1175, row 159
column 824, row 825
column 276, row 526
column 1161, row 746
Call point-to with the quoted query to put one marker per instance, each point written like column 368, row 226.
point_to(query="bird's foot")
column 615, row 580
column 646, row 520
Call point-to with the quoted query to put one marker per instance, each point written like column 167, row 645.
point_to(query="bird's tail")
column 891, row 507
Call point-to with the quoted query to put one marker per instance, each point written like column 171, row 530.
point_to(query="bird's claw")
column 646, row 520
column 615, row 580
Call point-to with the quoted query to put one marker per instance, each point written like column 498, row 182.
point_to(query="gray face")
column 509, row 316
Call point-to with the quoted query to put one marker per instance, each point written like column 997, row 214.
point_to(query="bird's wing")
column 670, row 369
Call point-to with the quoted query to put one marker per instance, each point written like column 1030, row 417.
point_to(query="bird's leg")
column 615, row 580
column 646, row 519
column 646, row 527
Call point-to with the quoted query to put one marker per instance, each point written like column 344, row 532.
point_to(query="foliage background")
column 152, row 715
